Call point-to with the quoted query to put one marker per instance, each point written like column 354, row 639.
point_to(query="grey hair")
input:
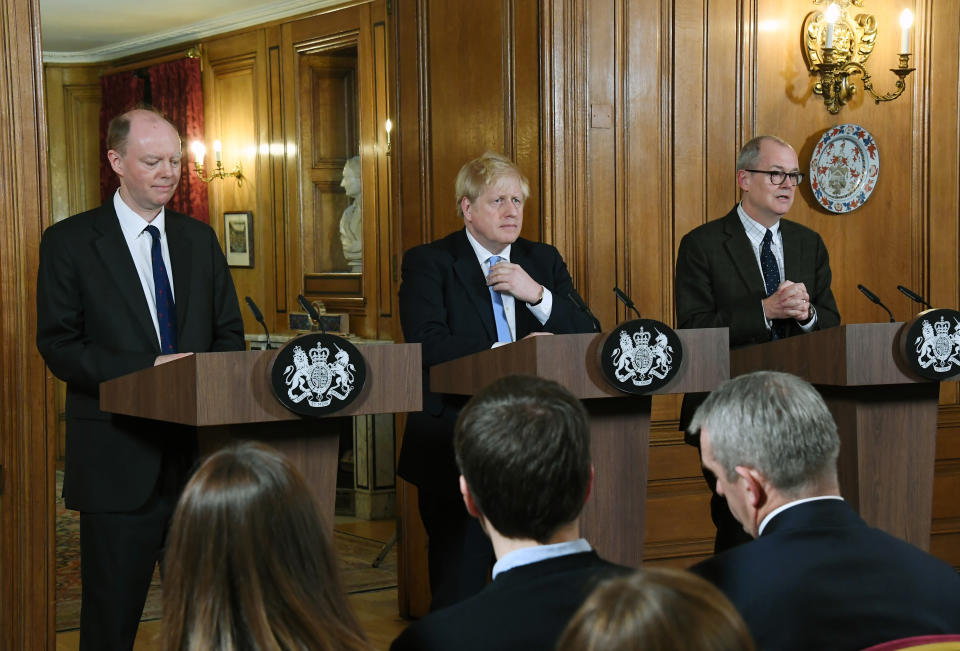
column 748, row 155
column 774, row 422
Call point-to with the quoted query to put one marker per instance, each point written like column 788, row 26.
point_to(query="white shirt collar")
column 784, row 507
column 133, row 224
column 482, row 254
column 537, row 553
column 752, row 226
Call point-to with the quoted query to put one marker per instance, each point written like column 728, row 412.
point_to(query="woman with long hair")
column 250, row 564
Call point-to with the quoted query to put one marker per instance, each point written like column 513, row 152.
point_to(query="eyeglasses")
column 777, row 177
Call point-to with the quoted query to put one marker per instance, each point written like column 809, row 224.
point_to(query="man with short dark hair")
column 761, row 276
column 523, row 447
column 816, row 577
column 477, row 288
column 123, row 287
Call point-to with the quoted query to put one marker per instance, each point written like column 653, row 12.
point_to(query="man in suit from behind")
column 523, row 447
column 120, row 288
column 760, row 275
column 816, row 576
column 480, row 287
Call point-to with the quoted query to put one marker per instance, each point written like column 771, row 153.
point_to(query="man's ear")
column 743, row 180
column 115, row 160
column 755, row 485
column 465, row 208
column 468, row 498
column 586, row 495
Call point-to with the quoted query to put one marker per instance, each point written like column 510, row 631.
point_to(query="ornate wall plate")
column 641, row 356
column 318, row 374
column 844, row 168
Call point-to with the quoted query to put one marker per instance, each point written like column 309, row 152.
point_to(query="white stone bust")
column 351, row 223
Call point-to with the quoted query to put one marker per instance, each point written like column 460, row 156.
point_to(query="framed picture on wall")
column 238, row 233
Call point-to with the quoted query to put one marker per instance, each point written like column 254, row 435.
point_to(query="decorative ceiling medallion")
column 844, row 168
column 318, row 374
column 930, row 344
column 641, row 356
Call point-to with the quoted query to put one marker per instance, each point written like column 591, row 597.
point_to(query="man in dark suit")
column 455, row 300
column 816, row 577
column 120, row 288
column 759, row 275
column 523, row 446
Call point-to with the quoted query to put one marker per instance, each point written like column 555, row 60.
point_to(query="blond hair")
column 483, row 172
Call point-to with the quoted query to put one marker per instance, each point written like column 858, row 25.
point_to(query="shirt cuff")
column 542, row 309
column 809, row 325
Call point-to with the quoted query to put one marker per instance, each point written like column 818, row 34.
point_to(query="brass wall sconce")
column 835, row 48
column 200, row 152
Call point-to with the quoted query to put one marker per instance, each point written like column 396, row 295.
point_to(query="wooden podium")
column 228, row 396
column 613, row 518
column 886, row 418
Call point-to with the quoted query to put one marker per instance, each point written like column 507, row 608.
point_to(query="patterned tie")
column 771, row 278
column 166, row 310
column 499, row 316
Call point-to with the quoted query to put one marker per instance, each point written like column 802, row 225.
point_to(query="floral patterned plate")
column 844, row 168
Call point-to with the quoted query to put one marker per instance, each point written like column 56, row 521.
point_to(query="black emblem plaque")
column 930, row 344
column 641, row 356
column 318, row 374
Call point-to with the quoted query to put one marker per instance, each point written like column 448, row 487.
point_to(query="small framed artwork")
column 238, row 232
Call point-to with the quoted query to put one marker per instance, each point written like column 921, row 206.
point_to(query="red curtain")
column 175, row 89
column 121, row 92
column 178, row 93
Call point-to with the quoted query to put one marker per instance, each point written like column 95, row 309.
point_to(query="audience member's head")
column 523, row 448
column 250, row 563
column 483, row 173
column 656, row 609
column 770, row 439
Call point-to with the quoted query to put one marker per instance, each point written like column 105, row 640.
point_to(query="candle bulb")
column 217, row 148
column 199, row 152
column 831, row 15
column 906, row 20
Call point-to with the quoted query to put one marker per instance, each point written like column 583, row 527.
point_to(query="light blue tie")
column 499, row 316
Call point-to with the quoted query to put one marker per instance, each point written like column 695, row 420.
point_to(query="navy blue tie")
column 771, row 278
column 499, row 316
column 166, row 310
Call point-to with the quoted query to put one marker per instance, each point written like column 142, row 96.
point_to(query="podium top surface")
column 232, row 388
column 858, row 354
column 574, row 362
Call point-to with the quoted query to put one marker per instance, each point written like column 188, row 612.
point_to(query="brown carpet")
column 357, row 554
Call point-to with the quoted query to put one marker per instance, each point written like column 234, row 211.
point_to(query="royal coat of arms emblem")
column 641, row 355
column 317, row 374
column 931, row 344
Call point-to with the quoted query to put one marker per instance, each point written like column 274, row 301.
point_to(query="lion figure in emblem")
column 297, row 376
column 623, row 357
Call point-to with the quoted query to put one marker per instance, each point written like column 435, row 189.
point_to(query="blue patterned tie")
column 771, row 278
column 166, row 310
column 499, row 316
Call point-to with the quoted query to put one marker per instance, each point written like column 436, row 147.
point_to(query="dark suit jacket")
column 719, row 282
column 94, row 324
column 820, row 578
column 525, row 608
column 445, row 306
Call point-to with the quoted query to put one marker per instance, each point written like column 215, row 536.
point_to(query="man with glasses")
column 761, row 276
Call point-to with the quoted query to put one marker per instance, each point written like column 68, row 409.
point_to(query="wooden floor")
column 376, row 610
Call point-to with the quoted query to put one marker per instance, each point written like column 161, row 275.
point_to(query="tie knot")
column 154, row 232
column 494, row 259
column 768, row 237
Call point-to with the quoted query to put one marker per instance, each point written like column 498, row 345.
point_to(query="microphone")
column 575, row 298
column 259, row 317
column 311, row 311
column 913, row 296
column 873, row 297
column 626, row 301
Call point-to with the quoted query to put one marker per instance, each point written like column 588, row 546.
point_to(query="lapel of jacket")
column 181, row 261
column 470, row 275
column 792, row 249
column 115, row 256
column 740, row 251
